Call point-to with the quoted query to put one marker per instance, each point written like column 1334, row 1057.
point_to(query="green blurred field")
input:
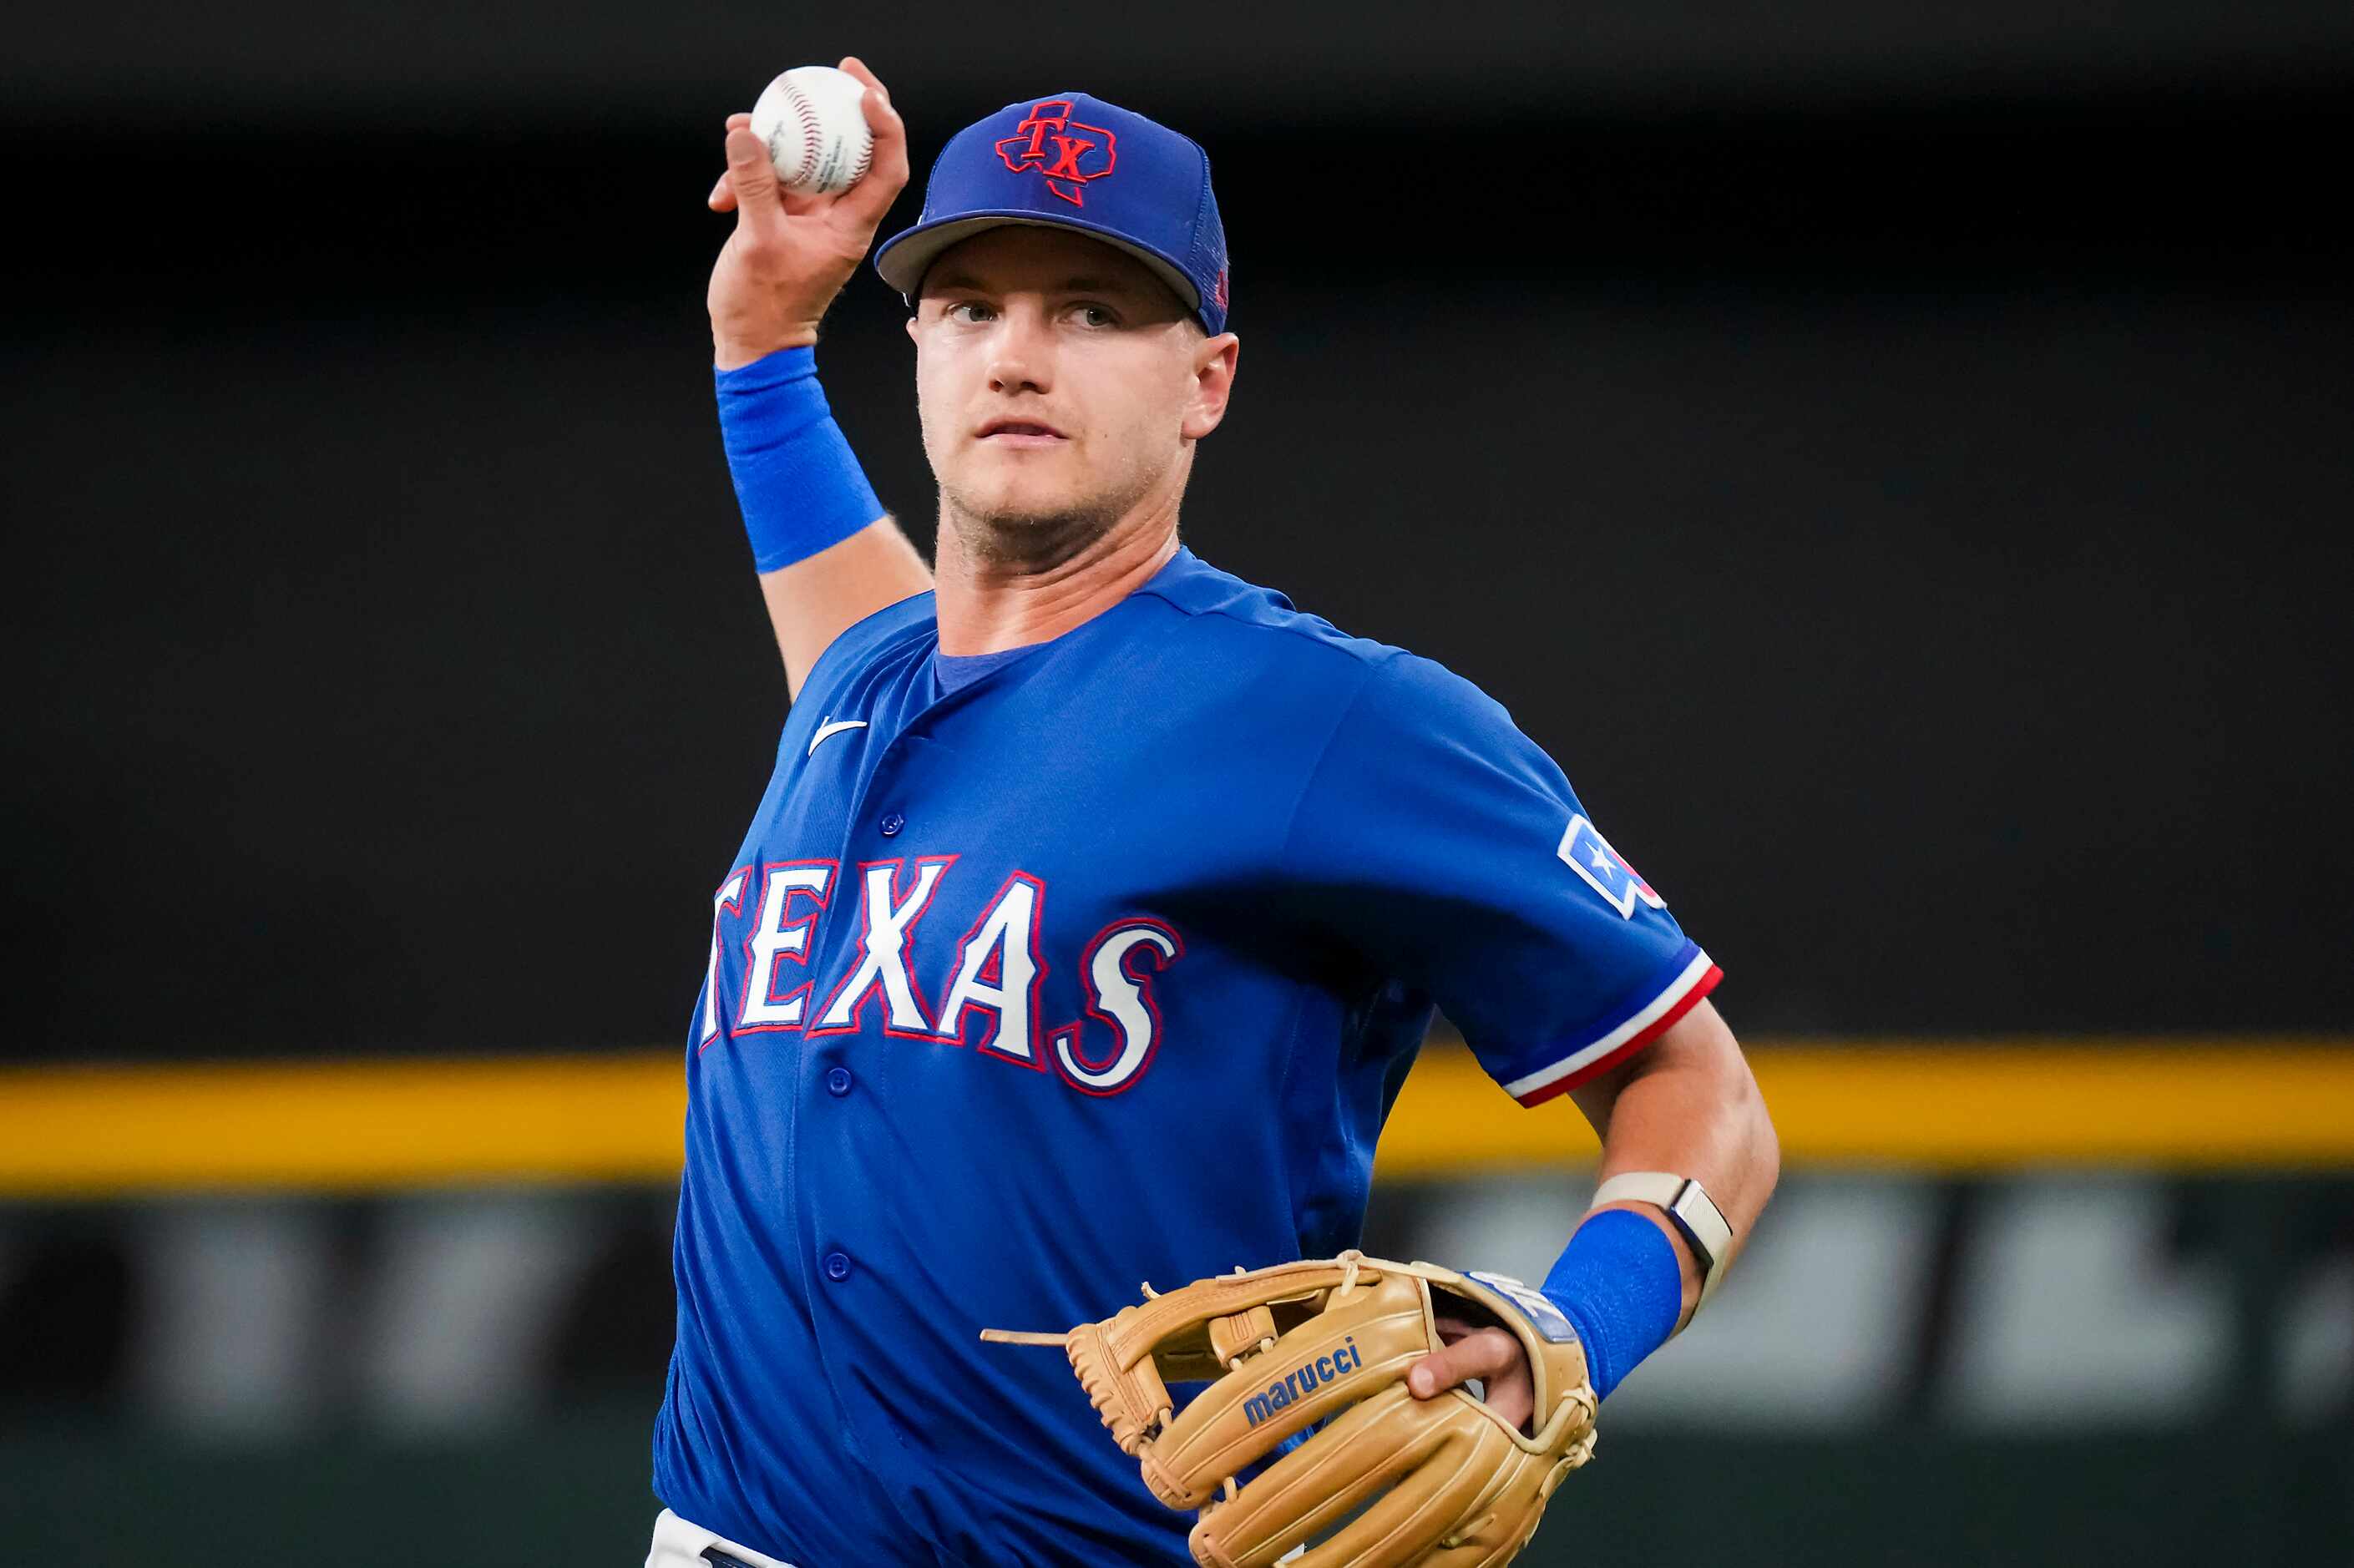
column 570, row 1489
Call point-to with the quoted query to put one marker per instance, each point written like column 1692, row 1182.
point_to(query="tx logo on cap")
column 1067, row 152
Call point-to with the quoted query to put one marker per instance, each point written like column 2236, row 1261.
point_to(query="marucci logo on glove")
column 1294, row 1385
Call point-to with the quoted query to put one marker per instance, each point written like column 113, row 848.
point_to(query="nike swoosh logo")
column 825, row 729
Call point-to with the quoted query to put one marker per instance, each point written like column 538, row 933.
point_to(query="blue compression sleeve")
column 796, row 477
column 1621, row 1286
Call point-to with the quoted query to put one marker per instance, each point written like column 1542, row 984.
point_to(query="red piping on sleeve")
column 1658, row 1027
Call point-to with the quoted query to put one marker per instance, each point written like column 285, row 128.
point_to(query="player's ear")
column 1214, row 383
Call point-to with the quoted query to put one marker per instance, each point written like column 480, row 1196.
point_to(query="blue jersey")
column 1105, row 967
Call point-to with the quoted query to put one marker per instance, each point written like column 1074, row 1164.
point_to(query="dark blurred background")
column 1898, row 459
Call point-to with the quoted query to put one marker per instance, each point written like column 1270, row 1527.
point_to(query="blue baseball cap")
column 1078, row 162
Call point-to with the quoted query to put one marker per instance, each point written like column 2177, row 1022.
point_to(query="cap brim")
column 905, row 257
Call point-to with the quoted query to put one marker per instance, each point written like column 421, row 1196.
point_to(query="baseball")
column 816, row 132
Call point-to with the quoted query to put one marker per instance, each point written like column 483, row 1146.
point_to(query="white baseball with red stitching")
column 816, row 132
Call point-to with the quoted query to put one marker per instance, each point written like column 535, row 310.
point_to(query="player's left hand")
column 1485, row 1353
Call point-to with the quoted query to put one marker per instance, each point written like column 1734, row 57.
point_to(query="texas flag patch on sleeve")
column 1643, row 973
column 1588, row 854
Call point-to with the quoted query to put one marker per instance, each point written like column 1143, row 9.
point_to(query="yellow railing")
column 103, row 1131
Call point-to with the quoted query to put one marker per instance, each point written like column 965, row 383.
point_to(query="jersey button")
column 891, row 823
column 837, row 1265
column 837, row 1082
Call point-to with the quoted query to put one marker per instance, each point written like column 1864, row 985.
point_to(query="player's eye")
column 1096, row 315
column 971, row 313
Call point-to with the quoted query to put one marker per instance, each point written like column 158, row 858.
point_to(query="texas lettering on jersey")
column 988, row 996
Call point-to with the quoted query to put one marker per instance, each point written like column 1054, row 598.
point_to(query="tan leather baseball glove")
column 1438, row 1481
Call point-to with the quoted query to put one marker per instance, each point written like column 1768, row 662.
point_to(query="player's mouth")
column 1020, row 433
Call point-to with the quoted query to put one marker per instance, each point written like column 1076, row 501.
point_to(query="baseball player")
column 1099, row 900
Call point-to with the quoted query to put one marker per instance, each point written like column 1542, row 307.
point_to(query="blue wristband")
column 796, row 477
column 1621, row 1286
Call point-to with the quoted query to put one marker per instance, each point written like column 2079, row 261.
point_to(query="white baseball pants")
column 679, row 1543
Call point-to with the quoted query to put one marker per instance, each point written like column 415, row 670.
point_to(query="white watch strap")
column 1688, row 1207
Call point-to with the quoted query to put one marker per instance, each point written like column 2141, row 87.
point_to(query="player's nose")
column 1022, row 353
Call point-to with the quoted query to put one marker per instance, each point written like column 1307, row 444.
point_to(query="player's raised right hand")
column 790, row 254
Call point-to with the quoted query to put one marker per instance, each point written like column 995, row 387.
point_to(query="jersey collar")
column 1197, row 588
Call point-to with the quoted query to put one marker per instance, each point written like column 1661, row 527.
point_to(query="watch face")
column 1541, row 1314
column 1696, row 1215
